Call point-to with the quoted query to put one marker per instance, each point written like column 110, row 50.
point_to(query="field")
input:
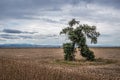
column 48, row 64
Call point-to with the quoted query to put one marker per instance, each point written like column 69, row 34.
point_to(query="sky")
column 40, row 21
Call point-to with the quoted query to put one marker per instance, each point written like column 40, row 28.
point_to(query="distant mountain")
column 27, row 46
column 41, row 46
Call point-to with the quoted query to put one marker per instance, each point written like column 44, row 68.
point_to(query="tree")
column 69, row 52
column 77, row 34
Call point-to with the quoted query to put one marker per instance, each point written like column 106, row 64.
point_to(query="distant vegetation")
column 77, row 34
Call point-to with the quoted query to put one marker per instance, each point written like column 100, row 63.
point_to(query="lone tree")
column 77, row 34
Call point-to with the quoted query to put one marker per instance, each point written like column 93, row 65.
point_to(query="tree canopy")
column 78, row 33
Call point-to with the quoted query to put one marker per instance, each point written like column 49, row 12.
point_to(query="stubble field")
column 48, row 64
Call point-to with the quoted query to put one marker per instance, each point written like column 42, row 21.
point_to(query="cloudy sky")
column 40, row 21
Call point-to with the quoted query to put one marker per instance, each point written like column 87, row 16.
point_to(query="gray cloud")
column 49, row 20
column 14, row 37
column 37, row 36
column 16, row 31
column 8, row 36
column 109, row 3
column 11, row 31
column 18, row 9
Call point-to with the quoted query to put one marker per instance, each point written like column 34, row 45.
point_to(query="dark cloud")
column 109, row 3
column 18, row 9
column 16, row 31
column 8, row 36
column 11, row 36
column 11, row 31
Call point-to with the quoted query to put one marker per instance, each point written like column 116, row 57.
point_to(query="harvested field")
column 48, row 64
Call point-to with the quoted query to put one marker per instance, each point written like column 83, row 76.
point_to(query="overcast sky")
column 40, row 21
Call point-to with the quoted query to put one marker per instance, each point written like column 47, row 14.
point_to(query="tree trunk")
column 73, row 50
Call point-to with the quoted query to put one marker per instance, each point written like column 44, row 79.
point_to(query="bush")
column 88, row 54
column 68, row 51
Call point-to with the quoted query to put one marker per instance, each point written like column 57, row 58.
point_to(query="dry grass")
column 48, row 64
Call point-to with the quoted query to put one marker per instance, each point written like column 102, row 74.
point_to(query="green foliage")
column 78, row 37
column 73, row 22
column 69, row 51
column 85, row 52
